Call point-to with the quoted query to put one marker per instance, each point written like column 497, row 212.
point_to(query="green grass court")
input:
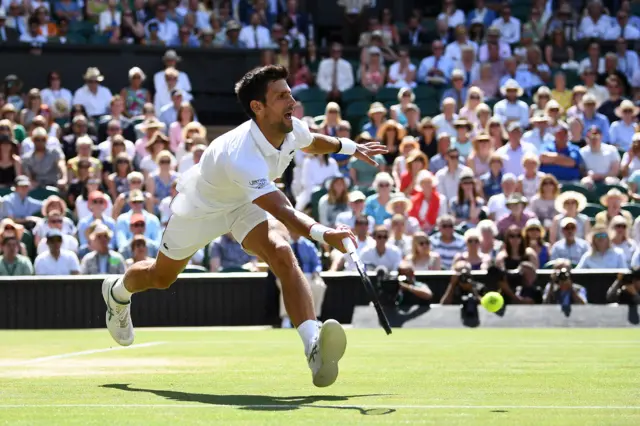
column 231, row 377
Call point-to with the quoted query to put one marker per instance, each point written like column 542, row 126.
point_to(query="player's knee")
column 281, row 257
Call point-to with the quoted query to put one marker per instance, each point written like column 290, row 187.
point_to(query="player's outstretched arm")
column 280, row 207
column 323, row 144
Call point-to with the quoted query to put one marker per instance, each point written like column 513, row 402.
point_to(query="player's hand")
column 334, row 238
column 366, row 151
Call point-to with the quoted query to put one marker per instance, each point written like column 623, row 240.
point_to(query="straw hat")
column 6, row 222
column 517, row 198
column 158, row 137
column 539, row 118
column 626, row 105
column 93, row 73
column 511, row 84
column 404, row 91
column 534, row 224
column 398, row 199
column 194, row 126
column 151, row 123
column 589, row 99
column 102, row 229
column 542, row 91
column 8, row 107
column 570, row 195
column 604, row 200
column 553, row 104
column 376, row 107
column 408, row 140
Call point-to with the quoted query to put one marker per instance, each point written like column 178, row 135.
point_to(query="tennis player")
column 232, row 190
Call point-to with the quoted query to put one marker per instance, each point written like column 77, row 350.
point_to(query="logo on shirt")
column 258, row 183
column 166, row 246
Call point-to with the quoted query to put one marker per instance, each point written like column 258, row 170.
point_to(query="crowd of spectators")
column 532, row 154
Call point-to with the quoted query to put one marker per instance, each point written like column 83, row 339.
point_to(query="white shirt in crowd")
column 235, row 169
column 600, row 162
column 390, row 259
column 95, row 103
column 453, row 50
column 28, row 38
column 445, row 126
column 513, row 157
column 453, row 20
column 503, row 47
column 586, row 63
column 325, row 75
column 107, row 19
column 401, row 79
column 27, row 146
column 630, row 33
column 448, row 182
column 509, row 31
column 160, row 84
column 67, row 262
column 251, row 35
column 105, row 149
column 167, row 30
column 69, row 242
column 497, row 205
column 590, row 29
column 361, row 245
column 508, row 111
column 50, row 97
column 601, row 93
column 314, row 173
column 349, row 220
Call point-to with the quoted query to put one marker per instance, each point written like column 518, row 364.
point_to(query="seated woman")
column 428, row 204
column 405, row 97
column 373, row 73
column 399, row 168
column 602, row 255
column 543, row 203
column 472, row 254
column 619, row 235
column 416, row 162
column 422, row 258
column 491, row 182
column 533, row 235
column 159, row 182
column 335, row 201
column 399, row 204
column 52, row 203
column 570, row 204
column 467, row 205
column 480, row 157
column 514, row 251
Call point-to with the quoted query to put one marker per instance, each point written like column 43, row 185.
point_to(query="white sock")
column 308, row 331
column 120, row 292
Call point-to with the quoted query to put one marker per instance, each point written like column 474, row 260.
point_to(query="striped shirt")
column 447, row 251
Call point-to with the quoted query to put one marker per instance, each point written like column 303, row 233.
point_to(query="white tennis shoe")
column 118, row 316
column 325, row 353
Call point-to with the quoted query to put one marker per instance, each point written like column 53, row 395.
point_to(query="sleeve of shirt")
column 583, row 262
column 74, row 265
column 303, row 136
column 605, row 126
column 252, row 179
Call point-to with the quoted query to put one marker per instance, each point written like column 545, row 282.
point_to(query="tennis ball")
column 492, row 301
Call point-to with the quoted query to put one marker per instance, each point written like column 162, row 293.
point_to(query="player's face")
column 279, row 105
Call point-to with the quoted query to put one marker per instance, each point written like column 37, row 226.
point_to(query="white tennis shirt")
column 235, row 169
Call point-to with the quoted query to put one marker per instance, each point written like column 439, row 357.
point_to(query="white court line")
column 320, row 405
column 89, row 352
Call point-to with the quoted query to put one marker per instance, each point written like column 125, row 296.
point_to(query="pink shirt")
column 175, row 135
column 141, row 149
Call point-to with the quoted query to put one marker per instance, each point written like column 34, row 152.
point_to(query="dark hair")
column 5, row 240
column 33, row 21
column 51, row 74
column 254, row 84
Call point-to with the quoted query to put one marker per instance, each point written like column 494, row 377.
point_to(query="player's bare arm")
column 281, row 208
column 323, row 144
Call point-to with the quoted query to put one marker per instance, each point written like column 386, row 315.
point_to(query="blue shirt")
column 620, row 134
column 563, row 174
column 491, row 184
column 17, row 208
column 307, row 255
column 152, row 229
column 598, row 120
column 453, row 93
column 573, row 252
column 373, row 208
column 613, row 258
column 370, row 128
column 444, row 64
column 86, row 221
column 230, row 252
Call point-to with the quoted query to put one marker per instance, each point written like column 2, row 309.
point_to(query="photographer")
column 408, row 284
column 562, row 290
column 527, row 292
column 461, row 288
column 522, row 279
column 626, row 289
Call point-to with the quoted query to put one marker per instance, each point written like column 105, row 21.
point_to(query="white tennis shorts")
column 184, row 236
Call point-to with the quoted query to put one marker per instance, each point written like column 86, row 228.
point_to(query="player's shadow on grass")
column 259, row 402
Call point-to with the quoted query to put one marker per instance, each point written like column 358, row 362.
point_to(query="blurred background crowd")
column 515, row 140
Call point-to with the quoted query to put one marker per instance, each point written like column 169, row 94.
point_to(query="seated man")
column 102, row 260
column 152, row 228
column 56, row 261
column 561, row 159
column 446, row 242
column 18, row 205
column 137, row 226
column 226, row 253
column 382, row 253
column 601, row 160
column 570, row 247
column 12, row 263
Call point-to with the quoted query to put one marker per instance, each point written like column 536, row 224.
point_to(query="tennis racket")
column 371, row 291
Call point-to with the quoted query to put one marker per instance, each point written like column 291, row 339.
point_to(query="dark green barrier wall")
column 198, row 300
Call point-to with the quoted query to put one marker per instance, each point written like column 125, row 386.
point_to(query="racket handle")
column 349, row 246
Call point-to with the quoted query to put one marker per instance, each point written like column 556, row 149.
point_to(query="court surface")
column 237, row 376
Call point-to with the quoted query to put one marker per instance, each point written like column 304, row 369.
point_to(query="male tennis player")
column 232, row 190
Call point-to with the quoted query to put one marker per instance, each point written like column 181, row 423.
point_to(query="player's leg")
column 181, row 239
column 324, row 346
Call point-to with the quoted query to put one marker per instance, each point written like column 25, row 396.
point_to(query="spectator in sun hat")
column 511, row 108
column 376, row 114
column 93, row 96
column 538, row 135
column 620, row 234
column 497, row 204
column 601, row 254
column 613, row 201
column 356, row 209
column 399, row 204
column 518, row 216
column 621, row 132
column 569, row 246
column 102, row 260
column 375, row 204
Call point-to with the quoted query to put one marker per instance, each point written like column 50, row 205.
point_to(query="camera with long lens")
column 464, row 276
column 388, row 290
column 562, row 275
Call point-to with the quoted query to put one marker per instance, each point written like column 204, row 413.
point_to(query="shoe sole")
column 107, row 284
column 333, row 343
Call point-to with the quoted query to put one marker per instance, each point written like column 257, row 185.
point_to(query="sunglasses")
column 473, row 241
column 54, row 240
column 601, row 235
column 137, row 202
column 383, row 185
column 136, row 182
column 382, row 237
column 122, row 162
column 620, row 226
column 165, row 162
column 446, row 225
column 570, row 228
column 423, row 243
column 454, row 157
column 361, row 223
column 55, row 220
column 138, row 225
column 474, row 97
column 100, row 201
column 515, row 236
